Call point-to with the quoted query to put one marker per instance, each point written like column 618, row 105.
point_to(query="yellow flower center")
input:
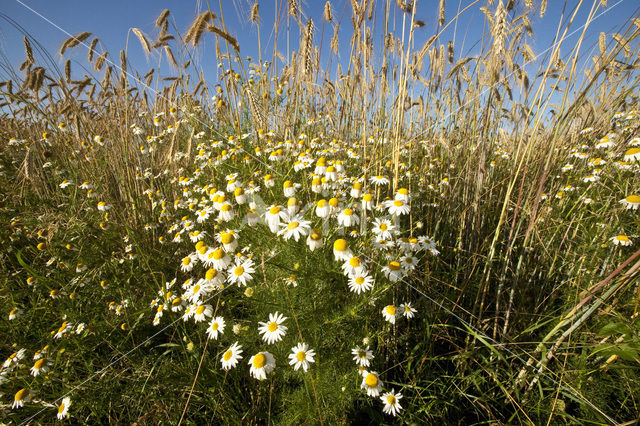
column 354, row 261
column 360, row 280
column 39, row 363
column 61, row 408
column 398, row 203
column 238, row 271
column 391, row 400
column 196, row 288
column 274, row 210
column 371, row 380
column 301, row 356
column 322, row 203
column 316, row 235
column 218, row 254
column 333, row 202
column 635, row 199
column 622, row 238
column 367, row 197
column 228, row 354
column 227, row 238
column 340, row 244
column 273, row 326
column 348, row 212
column 186, row 261
column 226, row 207
column 214, row 327
column 391, row 310
column 394, row 266
column 632, row 151
column 21, row 394
column 200, row 310
column 293, row 225
column 403, row 191
column 383, row 227
column 259, row 361
column 211, row 274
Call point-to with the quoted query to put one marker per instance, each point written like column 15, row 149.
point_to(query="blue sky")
column 50, row 22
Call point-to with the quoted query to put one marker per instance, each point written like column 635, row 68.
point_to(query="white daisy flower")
column 362, row 357
column 341, row 250
column 63, row 408
column 273, row 331
column 240, row 272
column 371, row 382
column 216, row 326
column 391, row 402
column 393, row 271
column 231, row 356
column 397, row 207
column 621, row 240
column 262, row 364
column 389, row 313
column 348, row 218
column 22, row 396
column 632, row 202
column 407, row 310
column 301, row 356
column 359, row 283
column 202, row 312
column 295, row 227
column 314, row 240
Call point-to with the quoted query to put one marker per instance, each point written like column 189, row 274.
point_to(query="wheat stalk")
column 143, row 40
column 74, row 41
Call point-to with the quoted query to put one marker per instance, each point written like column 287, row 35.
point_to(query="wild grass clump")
column 402, row 232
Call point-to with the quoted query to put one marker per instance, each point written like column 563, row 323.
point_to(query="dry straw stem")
column 74, row 41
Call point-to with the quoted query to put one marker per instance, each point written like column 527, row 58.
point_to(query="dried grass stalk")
column 74, row 41
column 143, row 40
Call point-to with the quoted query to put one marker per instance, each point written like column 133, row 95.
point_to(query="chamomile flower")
column 632, row 154
column 359, row 283
column 393, row 271
column 295, row 227
column 22, row 396
column 14, row 313
column 407, row 310
column 341, row 250
column 65, row 183
column 371, row 382
column 361, row 356
column 240, row 272
column 621, row 240
column 397, row 207
column 632, row 202
column 314, row 240
column 391, row 403
column 202, row 312
column 348, row 218
column 262, row 364
column 188, row 263
column 383, row 229
column 231, row 356
column 378, row 180
column 273, row 331
column 301, row 356
column 216, row 327
column 63, row 408
column 390, row 313
column 40, row 366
